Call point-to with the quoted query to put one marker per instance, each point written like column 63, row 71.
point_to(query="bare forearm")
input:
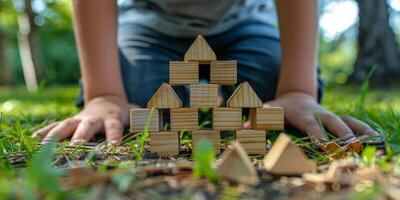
column 299, row 36
column 95, row 31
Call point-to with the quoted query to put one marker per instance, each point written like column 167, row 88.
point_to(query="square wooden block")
column 183, row 72
column 253, row 141
column 164, row 143
column 204, row 96
column 139, row 117
column 227, row 119
column 223, row 72
column 271, row 118
column 212, row 135
column 184, row 119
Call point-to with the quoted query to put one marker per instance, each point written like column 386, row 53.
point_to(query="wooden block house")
column 229, row 118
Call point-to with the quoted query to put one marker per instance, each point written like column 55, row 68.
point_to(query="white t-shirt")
column 183, row 18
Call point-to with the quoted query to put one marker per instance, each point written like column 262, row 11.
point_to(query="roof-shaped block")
column 200, row 51
column 165, row 97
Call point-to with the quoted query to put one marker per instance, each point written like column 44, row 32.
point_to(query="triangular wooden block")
column 165, row 97
column 285, row 158
column 237, row 166
column 200, row 51
column 244, row 97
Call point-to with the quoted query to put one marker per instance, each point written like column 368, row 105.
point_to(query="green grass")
column 23, row 112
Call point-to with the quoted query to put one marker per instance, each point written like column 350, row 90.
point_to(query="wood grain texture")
column 165, row 97
column 270, row 118
column 236, row 165
column 223, row 72
column 253, row 141
column 138, row 119
column 204, row 96
column 164, row 143
column 200, row 51
column 244, row 97
column 183, row 72
column 184, row 119
column 227, row 119
column 212, row 135
column 282, row 156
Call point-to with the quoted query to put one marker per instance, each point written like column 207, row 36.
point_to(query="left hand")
column 301, row 111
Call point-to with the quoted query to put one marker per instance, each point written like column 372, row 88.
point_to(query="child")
column 123, row 65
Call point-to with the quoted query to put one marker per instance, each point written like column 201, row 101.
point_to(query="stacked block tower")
column 229, row 118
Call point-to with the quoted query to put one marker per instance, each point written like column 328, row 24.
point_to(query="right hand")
column 107, row 114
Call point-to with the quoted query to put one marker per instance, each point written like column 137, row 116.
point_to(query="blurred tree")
column 377, row 45
column 26, row 44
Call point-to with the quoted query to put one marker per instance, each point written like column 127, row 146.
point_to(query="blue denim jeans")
column 145, row 55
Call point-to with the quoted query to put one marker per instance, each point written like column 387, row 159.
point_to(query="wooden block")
column 204, row 95
column 164, row 143
column 236, row 165
column 184, row 119
column 227, row 119
column 139, row 118
column 285, row 158
column 165, row 97
column 223, row 72
column 200, row 51
column 270, row 118
column 253, row 141
column 212, row 135
column 329, row 147
column 183, row 72
column 244, row 97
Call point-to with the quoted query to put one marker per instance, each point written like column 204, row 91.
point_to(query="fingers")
column 247, row 124
column 336, row 125
column 113, row 128
column 62, row 130
column 86, row 130
column 41, row 133
column 358, row 126
column 311, row 126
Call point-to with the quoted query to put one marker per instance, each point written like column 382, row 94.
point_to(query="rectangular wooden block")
column 139, row 118
column 212, row 135
column 183, row 72
column 204, row 96
column 271, row 118
column 227, row 119
column 253, row 141
column 223, row 72
column 184, row 119
column 164, row 143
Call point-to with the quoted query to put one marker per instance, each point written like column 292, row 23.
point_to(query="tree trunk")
column 377, row 45
column 25, row 44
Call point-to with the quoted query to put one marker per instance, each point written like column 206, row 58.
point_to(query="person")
column 124, row 50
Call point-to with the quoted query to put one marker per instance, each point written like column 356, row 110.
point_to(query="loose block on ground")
column 164, row 143
column 184, row 119
column 139, row 117
column 285, row 158
column 200, row 51
column 212, row 135
column 203, row 95
column 183, row 72
column 165, row 97
column 271, row 118
column 236, row 165
column 253, row 141
column 223, row 72
column 244, row 97
column 226, row 119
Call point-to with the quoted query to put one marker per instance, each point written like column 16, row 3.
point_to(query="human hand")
column 107, row 114
column 302, row 110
